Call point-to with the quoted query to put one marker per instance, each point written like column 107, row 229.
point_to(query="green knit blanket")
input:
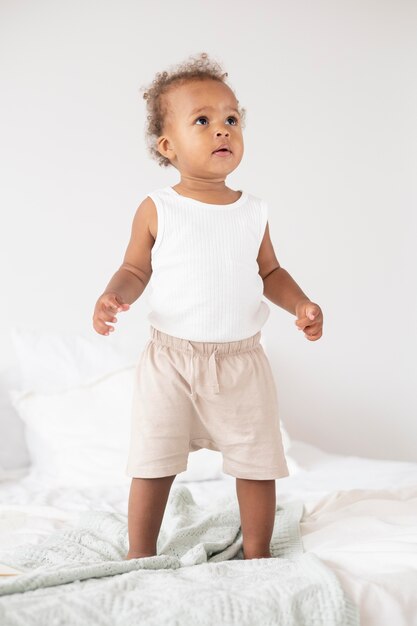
column 198, row 578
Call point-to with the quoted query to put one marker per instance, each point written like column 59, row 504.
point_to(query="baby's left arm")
column 282, row 290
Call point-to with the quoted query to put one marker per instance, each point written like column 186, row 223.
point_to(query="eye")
column 231, row 117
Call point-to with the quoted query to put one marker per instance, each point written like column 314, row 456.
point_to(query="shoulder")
column 260, row 205
column 149, row 209
column 255, row 198
column 146, row 216
column 260, row 202
column 151, row 214
column 153, row 200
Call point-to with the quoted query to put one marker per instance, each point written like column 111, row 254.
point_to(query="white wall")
column 331, row 97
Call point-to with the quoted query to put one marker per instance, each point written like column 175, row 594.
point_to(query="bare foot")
column 136, row 556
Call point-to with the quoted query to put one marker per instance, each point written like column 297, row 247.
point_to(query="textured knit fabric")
column 198, row 578
column 205, row 283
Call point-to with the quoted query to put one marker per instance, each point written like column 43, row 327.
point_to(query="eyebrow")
column 210, row 108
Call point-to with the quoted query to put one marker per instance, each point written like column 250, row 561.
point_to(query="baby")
column 203, row 379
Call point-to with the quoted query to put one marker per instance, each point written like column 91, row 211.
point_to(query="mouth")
column 222, row 152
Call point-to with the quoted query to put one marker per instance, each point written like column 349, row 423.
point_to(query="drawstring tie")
column 212, row 372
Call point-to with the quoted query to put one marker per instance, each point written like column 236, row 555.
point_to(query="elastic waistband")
column 205, row 347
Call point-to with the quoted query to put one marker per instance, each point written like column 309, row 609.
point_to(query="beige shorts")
column 191, row 394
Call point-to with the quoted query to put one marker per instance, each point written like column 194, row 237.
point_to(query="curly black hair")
column 199, row 67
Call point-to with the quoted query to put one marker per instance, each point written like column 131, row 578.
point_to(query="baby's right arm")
column 130, row 280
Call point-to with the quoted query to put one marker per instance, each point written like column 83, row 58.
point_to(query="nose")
column 219, row 132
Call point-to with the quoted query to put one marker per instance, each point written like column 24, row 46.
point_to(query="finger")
column 311, row 331
column 118, row 302
column 107, row 315
column 302, row 322
column 314, row 336
column 109, row 308
column 102, row 327
column 114, row 306
column 314, row 327
column 111, row 305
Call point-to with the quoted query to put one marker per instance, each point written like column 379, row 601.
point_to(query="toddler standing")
column 203, row 379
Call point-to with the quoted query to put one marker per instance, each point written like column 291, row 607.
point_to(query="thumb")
column 312, row 312
column 117, row 301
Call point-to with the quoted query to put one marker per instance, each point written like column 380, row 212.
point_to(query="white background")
column 330, row 142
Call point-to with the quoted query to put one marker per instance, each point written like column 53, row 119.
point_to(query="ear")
column 164, row 147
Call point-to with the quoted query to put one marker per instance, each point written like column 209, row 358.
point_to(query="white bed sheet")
column 360, row 519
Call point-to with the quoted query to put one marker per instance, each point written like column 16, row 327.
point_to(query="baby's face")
column 202, row 115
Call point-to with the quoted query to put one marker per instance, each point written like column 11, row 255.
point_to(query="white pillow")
column 50, row 361
column 13, row 450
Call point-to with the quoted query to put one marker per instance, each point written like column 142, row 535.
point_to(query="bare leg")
column 257, row 503
column 147, row 502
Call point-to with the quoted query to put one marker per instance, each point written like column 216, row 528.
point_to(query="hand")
column 310, row 319
column 107, row 305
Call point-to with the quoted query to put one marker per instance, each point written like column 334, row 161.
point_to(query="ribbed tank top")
column 205, row 283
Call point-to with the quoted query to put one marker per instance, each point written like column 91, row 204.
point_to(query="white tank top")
column 205, row 284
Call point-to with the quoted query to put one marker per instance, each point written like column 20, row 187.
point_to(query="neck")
column 193, row 185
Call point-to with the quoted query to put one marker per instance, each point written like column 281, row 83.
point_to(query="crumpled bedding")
column 79, row 575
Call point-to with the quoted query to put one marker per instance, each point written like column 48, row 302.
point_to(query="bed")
column 348, row 523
